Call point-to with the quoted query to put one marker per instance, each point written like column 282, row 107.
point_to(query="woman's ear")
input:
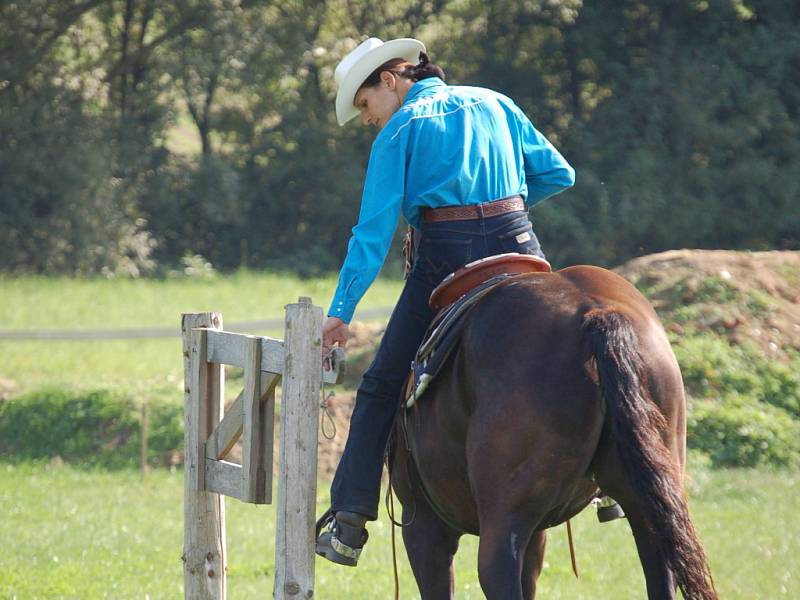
column 388, row 78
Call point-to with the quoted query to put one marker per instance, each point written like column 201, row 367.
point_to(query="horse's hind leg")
column 532, row 567
column 658, row 577
column 430, row 545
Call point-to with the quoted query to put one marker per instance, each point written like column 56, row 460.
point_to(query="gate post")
column 204, row 560
column 297, row 483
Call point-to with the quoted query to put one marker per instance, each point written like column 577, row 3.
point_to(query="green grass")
column 71, row 533
column 150, row 366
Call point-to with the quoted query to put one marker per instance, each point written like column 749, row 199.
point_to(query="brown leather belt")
column 473, row 211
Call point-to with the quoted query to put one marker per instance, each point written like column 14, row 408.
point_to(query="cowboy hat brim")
column 405, row 48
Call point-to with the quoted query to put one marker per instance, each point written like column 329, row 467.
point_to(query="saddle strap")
column 572, row 550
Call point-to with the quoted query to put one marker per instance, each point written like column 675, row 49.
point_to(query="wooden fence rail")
column 211, row 432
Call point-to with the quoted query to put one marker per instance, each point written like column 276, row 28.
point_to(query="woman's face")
column 378, row 103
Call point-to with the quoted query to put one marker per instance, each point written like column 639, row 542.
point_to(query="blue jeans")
column 443, row 248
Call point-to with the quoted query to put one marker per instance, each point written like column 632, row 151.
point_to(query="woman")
column 462, row 165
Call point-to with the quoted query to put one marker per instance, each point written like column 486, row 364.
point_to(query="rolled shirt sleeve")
column 381, row 204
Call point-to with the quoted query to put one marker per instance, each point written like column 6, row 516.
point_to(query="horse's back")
column 559, row 305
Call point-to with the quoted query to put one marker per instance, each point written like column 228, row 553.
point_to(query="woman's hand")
column 334, row 332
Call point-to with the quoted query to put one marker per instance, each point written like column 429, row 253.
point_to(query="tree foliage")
column 136, row 132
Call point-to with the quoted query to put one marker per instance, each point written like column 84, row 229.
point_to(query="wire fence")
column 131, row 333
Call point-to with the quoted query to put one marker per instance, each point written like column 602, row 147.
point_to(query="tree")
column 680, row 117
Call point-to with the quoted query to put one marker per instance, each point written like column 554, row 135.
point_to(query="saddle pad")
column 444, row 334
column 472, row 274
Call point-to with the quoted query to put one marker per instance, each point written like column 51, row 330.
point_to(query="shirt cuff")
column 342, row 310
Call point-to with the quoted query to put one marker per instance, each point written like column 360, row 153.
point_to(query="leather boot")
column 344, row 537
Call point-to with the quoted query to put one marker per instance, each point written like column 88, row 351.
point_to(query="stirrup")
column 608, row 509
column 334, row 549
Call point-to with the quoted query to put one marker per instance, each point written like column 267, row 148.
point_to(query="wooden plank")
column 229, row 348
column 199, row 408
column 224, row 437
column 223, row 477
column 251, row 420
column 271, row 355
column 297, row 486
column 267, row 442
column 204, row 559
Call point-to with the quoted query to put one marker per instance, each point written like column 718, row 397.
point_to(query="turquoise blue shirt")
column 445, row 146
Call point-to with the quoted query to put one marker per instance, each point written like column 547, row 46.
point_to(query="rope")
column 325, row 406
column 325, row 412
column 389, row 500
column 394, row 545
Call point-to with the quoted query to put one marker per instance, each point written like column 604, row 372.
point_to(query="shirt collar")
column 420, row 86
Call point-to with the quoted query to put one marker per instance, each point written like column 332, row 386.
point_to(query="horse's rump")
column 562, row 381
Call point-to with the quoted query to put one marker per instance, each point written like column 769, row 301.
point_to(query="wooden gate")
column 211, row 433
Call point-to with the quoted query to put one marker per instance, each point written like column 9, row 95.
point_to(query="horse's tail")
column 636, row 426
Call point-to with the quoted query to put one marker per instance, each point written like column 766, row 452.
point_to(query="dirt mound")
column 744, row 296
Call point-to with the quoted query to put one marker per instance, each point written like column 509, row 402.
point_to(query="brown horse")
column 563, row 382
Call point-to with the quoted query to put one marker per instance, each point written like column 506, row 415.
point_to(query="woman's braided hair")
column 422, row 70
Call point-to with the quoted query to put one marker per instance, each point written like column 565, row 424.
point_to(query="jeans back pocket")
column 521, row 239
column 437, row 257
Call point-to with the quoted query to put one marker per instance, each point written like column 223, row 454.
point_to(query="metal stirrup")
column 344, row 549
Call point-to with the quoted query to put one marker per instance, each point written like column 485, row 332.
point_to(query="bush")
column 780, row 385
column 742, row 432
column 165, row 434
column 95, row 428
column 746, row 407
column 713, row 368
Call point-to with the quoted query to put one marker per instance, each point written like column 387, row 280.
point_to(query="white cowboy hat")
column 359, row 64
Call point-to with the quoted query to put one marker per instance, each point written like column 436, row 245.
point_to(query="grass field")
column 141, row 366
column 70, row 533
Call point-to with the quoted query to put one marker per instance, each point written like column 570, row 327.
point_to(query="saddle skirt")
column 456, row 296
column 473, row 274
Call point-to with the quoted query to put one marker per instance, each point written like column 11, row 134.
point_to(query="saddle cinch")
column 454, row 298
